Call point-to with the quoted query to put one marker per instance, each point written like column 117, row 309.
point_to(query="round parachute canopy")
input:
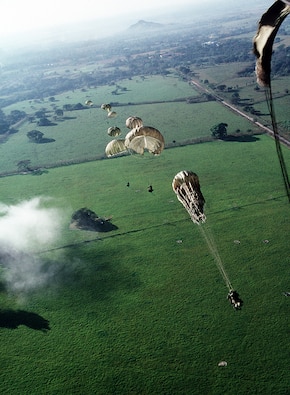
column 133, row 122
column 106, row 107
column 112, row 114
column 114, row 131
column 186, row 186
column 89, row 103
column 223, row 363
column 145, row 138
column 264, row 39
column 115, row 148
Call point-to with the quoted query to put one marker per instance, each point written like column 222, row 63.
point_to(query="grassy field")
column 83, row 134
column 136, row 311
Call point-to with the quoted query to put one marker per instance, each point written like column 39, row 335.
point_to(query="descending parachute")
column 112, row 114
column 263, row 48
column 186, row 186
column 115, row 148
column 133, row 122
column 145, row 138
column 89, row 103
column 114, row 131
column 264, row 39
column 106, row 107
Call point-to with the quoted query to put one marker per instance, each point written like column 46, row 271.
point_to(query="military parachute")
column 269, row 25
column 186, row 186
column 112, row 114
column 115, row 148
column 187, row 189
column 106, row 107
column 264, row 39
column 145, row 138
column 89, row 103
column 133, row 122
column 114, row 131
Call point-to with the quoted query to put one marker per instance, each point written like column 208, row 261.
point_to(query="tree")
column 4, row 126
column 58, row 112
column 35, row 136
column 219, row 131
column 44, row 122
column 235, row 98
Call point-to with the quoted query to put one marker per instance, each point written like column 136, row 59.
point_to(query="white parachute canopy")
column 145, row 138
column 116, row 148
column 186, row 186
column 133, row 122
column 114, row 131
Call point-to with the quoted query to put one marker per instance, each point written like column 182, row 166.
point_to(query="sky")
column 19, row 16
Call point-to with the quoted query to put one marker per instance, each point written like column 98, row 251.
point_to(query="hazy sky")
column 24, row 15
column 19, row 19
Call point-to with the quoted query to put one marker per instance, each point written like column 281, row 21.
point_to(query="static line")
column 208, row 236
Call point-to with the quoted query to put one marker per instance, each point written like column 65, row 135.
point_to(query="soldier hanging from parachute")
column 187, row 189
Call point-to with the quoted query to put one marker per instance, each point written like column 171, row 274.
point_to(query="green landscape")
column 143, row 309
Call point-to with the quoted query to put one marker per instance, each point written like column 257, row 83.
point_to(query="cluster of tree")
column 36, row 136
column 73, row 107
column 219, row 131
column 8, row 121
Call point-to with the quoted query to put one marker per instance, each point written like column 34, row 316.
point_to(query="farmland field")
column 143, row 309
column 82, row 134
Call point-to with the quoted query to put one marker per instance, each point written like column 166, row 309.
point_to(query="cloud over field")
column 26, row 228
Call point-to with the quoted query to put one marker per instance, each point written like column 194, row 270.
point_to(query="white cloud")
column 24, row 229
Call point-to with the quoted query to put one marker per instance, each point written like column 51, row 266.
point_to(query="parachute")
column 186, row 186
column 112, row 114
column 187, row 189
column 89, row 103
column 264, row 39
column 133, row 122
column 106, row 107
column 145, row 138
column 115, row 148
column 263, row 48
column 114, row 131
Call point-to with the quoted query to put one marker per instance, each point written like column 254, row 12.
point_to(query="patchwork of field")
column 143, row 309
column 82, row 134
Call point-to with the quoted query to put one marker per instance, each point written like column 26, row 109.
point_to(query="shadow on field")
column 90, row 274
column 66, row 119
column 46, row 140
column 12, row 319
column 242, row 139
column 119, row 234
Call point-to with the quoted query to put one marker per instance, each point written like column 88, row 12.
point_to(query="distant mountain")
column 145, row 26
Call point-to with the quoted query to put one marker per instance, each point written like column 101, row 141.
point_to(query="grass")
column 84, row 133
column 135, row 312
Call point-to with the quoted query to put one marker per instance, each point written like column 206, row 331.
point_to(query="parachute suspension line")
column 271, row 109
column 213, row 249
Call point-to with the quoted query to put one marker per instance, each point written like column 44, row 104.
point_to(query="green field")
column 83, row 134
column 143, row 309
